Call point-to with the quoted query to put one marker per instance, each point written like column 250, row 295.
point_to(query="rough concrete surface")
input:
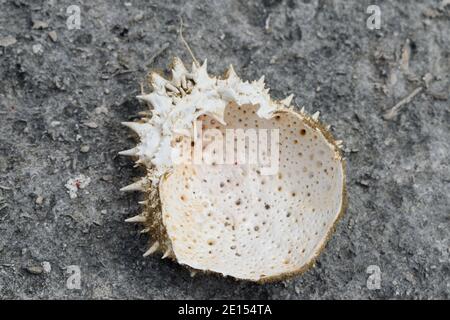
column 63, row 94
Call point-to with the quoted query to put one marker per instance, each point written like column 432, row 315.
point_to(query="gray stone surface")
column 63, row 96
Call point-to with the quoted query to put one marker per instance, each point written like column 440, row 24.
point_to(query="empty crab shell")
column 237, row 218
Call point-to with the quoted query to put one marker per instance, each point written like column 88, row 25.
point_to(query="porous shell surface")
column 233, row 218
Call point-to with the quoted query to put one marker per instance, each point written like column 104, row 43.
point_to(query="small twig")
column 186, row 44
column 406, row 53
column 438, row 96
column 118, row 73
column 267, row 23
column 392, row 113
column 5, row 187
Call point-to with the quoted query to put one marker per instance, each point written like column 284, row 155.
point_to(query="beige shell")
column 235, row 218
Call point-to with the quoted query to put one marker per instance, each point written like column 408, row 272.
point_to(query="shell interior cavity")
column 237, row 183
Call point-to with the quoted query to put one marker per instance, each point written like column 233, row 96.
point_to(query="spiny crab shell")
column 230, row 218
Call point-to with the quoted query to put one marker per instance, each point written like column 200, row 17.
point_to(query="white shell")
column 230, row 218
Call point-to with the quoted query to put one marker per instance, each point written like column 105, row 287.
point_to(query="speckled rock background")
column 63, row 94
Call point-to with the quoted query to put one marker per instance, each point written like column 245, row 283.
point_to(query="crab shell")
column 231, row 218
